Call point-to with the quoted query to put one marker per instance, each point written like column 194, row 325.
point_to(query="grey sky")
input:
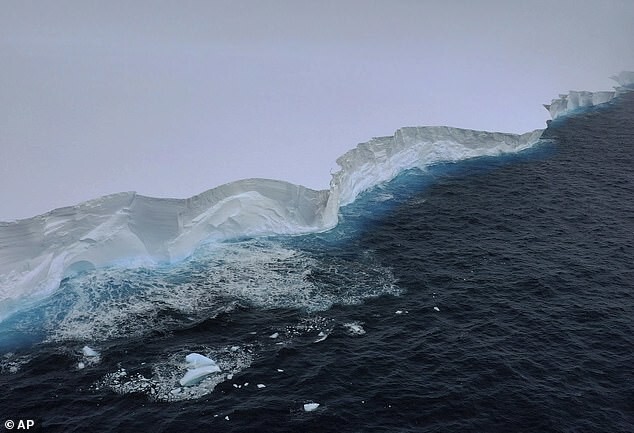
column 172, row 98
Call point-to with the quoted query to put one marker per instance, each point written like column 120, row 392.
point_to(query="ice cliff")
column 574, row 100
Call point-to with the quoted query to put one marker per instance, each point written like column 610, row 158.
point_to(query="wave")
column 135, row 230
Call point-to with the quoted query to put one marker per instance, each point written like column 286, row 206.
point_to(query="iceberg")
column 575, row 100
column 130, row 229
column 37, row 253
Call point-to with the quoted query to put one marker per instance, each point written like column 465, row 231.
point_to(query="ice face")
column 382, row 159
column 575, row 100
column 37, row 253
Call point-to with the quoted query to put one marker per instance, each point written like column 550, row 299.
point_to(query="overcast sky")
column 170, row 99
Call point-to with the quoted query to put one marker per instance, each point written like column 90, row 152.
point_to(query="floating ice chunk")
column 279, row 370
column 192, row 376
column 81, row 365
column 229, row 376
column 199, row 366
column 309, row 407
column 261, row 385
column 90, row 353
column 321, row 337
column 196, row 360
column 354, row 328
column 274, row 335
column 436, row 309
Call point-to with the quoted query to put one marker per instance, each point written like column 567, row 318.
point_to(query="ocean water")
column 492, row 295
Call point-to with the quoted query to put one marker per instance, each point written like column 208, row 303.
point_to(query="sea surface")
column 491, row 295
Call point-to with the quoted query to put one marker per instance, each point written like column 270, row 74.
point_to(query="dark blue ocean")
column 492, row 295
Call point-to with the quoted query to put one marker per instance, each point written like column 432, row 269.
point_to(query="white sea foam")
column 112, row 303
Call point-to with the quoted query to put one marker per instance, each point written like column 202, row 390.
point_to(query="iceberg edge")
column 37, row 253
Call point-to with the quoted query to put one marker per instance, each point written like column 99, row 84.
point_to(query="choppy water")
column 487, row 296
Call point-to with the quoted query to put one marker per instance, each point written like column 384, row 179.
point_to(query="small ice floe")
column 354, row 328
column 321, row 337
column 261, row 385
column 91, row 356
column 309, row 407
column 436, row 309
column 279, row 370
column 230, row 376
column 401, row 312
column 89, row 352
column 198, row 366
column 274, row 335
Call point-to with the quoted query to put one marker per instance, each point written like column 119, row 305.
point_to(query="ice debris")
column 90, row 353
column 354, row 328
column 309, row 407
column 436, row 309
column 321, row 337
column 198, row 366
